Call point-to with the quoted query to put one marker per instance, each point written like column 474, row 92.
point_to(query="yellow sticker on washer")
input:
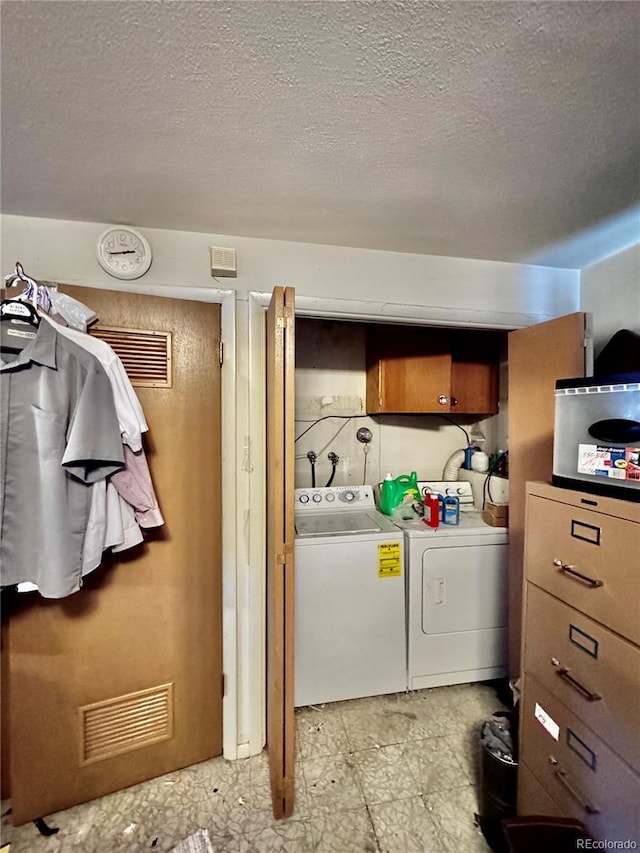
column 389, row 563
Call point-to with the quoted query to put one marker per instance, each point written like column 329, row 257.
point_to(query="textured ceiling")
column 471, row 129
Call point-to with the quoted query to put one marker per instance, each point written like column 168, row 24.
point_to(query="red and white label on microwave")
column 617, row 463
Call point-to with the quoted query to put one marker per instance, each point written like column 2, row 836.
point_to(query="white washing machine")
column 350, row 636
column 456, row 595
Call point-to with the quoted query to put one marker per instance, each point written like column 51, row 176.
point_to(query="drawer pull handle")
column 591, row 695
column 569, row 570
column 563, row 777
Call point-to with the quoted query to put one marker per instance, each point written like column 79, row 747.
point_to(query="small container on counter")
column 431, row 510
column 398, row 491
column 451, row 510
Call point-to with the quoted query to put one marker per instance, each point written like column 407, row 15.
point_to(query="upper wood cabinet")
column 417, row 369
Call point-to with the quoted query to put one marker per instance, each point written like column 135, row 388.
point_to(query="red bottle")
column 431, row 510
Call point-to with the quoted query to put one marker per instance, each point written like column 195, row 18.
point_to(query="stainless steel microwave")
column 596, row 440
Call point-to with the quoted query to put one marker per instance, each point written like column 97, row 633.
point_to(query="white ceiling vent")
column 223, row 261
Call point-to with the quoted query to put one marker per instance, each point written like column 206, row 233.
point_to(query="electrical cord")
column 486, row 486
column 365, row 450
column 451, row 421
column 325, row 418
column 378, row 415
column 347, row 419
column 331, row 440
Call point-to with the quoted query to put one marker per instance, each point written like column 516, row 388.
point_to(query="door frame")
column 251, row 328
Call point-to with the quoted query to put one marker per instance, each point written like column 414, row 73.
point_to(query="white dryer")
column 349, row 617
column 456, row 596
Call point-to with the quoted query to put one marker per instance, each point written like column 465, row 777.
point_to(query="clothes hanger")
column 44, row 297
column 18, row 276
column 19, row 313
column 15, row 307
column 35, row 294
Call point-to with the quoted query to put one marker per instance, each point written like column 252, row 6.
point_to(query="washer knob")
column 349, row 496
column 330, row 498
column 316, row 498
column 304, row 498
column 460, row 491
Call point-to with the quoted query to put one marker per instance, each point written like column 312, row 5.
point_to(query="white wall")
column 328, row 280
column 61, row 250
column 610, row 290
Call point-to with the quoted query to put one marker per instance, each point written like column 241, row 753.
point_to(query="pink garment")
column 134, row 484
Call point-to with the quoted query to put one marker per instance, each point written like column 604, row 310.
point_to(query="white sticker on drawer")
column 547, row 722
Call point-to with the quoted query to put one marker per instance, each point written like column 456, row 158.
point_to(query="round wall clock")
column 124, row 253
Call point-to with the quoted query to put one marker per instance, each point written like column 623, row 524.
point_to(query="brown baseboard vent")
column 125, row 723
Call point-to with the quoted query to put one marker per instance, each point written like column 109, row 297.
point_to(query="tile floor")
column 395, row 774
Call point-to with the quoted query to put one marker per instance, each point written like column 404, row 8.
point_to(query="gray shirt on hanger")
column 59, row 434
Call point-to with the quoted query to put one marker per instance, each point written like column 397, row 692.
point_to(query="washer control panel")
column 333, row 498
column 460, row 489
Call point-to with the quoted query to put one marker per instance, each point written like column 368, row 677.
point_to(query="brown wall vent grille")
column 146, row 354
column 125, row 723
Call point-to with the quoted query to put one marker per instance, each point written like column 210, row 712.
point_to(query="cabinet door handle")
column 574, row 573
column 563, row 777
column 443, row 399
column 454, row 401
column 591, row 695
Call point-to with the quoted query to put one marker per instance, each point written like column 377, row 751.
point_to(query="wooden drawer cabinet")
column 583, row 777
column 424, row 370
column 587, row 558
column 579, row 710
column 593, row 671
column 534, row 797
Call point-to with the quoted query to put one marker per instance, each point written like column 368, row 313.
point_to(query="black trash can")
column 498, row 776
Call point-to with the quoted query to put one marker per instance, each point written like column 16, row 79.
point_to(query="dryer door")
column 464, row 588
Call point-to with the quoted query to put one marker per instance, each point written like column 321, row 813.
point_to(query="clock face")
column 124, row 253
